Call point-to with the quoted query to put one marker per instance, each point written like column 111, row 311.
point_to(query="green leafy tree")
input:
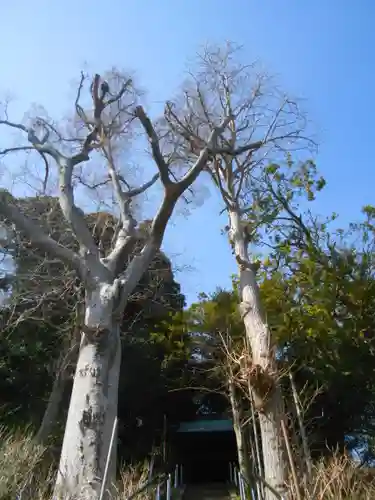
column 320, row 306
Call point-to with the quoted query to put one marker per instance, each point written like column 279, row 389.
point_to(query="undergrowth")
column 337, row 478
column 27, row 472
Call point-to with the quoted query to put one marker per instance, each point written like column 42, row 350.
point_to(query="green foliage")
column 318, row 289
column 271, row 201
column 320, row 306
column 320, row 301
column 28, row 350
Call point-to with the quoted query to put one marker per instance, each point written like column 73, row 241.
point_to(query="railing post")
column 176, row 476
column 181, row 475
column 244, row 488
column 241, row 486
column 157, row 497
column 169, row 480
column 233, row 472
column 235, row 477
column 151, row 470
column 111, row 444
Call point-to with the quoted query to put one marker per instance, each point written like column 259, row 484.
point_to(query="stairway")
column 213, row 491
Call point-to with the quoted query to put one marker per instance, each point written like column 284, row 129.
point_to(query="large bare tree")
column 103, row 123
column 259, row 184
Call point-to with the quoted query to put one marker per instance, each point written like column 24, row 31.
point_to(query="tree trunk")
column 266, row 390
column 54, row 402
column 242, row 447
column 93, row 404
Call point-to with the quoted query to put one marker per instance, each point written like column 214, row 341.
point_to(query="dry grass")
column 29, row 470
column 23, row 467
column 131, row 479
column 338, row 479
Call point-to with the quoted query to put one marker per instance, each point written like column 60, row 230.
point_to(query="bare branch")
column 78, row 107
column 141, row 189
column 240, row 150
column 37, row 235
column 16, row 149
column 265, row 124
column 70, row 210
column 125, row 241
column 72, row 213
column 58, row 134
column 40, row 145
column 174, row 190
column 204, row 155
column 46, row 173
column 66, row 165
column 18, row 126
column 155, row 147
column 98, row 131
column 122, row 91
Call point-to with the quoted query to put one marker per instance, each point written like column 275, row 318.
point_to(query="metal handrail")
column 159, row 478
column 261, row 480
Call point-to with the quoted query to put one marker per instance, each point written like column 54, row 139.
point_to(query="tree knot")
column 244, row 307
column 243, row 264
column 262, row 384
column 96, row 335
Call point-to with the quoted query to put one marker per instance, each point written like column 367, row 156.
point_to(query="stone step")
column 207, row 492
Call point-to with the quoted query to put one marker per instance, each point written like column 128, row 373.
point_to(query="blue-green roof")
column 206, row 426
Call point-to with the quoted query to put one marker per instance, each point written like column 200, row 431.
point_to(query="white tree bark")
column 93, row 406
column 270, row 405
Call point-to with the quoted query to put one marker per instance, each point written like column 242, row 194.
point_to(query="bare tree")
column 109, row 277
column 258, row 183
column 45, row 291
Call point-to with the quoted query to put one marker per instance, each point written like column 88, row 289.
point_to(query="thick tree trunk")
column 54, row 402
column 267, row 395
column 242, row 445
column 93, row 404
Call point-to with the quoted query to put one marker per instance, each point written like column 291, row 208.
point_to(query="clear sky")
column 321, row 51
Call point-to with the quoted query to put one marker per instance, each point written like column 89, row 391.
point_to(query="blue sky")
column 320, row 50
